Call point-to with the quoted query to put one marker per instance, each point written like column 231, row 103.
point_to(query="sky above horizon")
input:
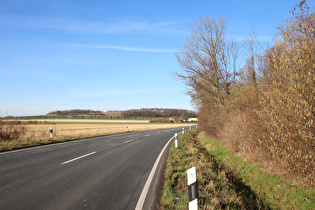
column 111, row 55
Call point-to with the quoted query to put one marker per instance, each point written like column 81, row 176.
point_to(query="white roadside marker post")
column 127, row 128
column 192, row 188
column 183, row 130
column 51, row 132
column 176, row 137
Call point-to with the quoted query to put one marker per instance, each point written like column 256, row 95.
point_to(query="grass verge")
column 13, row 145
column 225, row 179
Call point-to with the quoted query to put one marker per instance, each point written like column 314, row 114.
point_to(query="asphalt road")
column 98, row 173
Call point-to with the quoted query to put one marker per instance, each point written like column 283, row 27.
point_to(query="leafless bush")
column 11, row 130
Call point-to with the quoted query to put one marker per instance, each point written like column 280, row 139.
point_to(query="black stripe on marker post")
column 193, row 191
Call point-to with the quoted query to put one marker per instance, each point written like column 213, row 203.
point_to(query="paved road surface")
column 99, row 173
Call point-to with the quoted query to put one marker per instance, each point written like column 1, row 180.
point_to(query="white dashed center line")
column 69, row 161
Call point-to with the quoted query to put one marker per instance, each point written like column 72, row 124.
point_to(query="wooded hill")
column 75, row 112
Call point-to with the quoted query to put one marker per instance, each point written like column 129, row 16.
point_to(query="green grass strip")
column 277, row 192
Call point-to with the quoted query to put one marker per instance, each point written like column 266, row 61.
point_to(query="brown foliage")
column 288, row 105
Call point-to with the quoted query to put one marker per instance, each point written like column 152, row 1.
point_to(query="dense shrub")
column 288, row 105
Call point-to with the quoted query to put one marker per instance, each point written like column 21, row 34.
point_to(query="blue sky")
column 110, row 55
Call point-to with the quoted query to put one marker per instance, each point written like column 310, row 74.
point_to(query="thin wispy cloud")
column 79, row 26
column 124, row 48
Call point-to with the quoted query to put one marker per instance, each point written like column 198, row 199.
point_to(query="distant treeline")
column 155, row 112
column 133, row 113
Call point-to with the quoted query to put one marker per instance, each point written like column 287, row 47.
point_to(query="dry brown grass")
column 62, row 130
column 89, row 121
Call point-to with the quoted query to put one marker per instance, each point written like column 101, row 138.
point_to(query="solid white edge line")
column 149, row 180
column 69, row 161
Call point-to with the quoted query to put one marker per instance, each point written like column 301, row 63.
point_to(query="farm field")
column 70, row 129
column 87, row 121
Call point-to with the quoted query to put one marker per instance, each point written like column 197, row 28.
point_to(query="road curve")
column 98, row 173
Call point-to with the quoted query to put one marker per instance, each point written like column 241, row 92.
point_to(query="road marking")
column 147, row 135
column 125, row 142
column 150, row 178
column 69, row 161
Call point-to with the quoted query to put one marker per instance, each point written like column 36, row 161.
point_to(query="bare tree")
column 250, row 68
column 208, row 62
